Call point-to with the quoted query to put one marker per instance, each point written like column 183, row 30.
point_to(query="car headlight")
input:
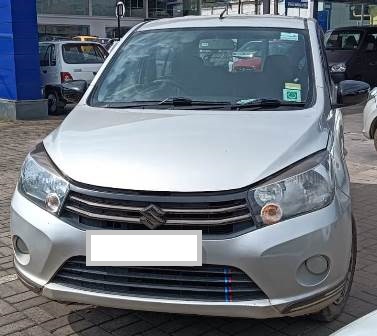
column 41, row 182
column 303, row 188
column 339, row 67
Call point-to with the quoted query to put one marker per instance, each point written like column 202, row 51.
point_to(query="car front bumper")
column 273, row 257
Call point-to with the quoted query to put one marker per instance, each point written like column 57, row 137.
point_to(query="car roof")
column 273, row 21
column 69, row 42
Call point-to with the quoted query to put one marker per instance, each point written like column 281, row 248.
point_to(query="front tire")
column 55, row 106
column 375, row 139
column 331, row 312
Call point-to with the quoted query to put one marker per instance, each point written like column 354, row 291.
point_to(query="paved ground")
column 25, row 313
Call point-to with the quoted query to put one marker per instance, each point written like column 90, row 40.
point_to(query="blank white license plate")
column 143, row 248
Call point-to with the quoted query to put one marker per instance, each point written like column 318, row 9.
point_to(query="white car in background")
column 370, row 117
column 63, row 61
column 364, row 326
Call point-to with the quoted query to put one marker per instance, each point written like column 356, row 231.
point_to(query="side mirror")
column 352, row 92
column 73, row 91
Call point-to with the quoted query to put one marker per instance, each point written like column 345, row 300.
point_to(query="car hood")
column 339, row 56
column 184, row 151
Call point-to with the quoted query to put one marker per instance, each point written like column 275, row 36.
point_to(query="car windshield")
column 343, row 40
column 86, row 53
column 203, row 64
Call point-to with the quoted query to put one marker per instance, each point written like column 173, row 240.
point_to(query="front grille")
column 204, row 283
column 222, row 215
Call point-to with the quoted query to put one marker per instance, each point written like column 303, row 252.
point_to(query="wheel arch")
column 373, row 128
column 52, row 88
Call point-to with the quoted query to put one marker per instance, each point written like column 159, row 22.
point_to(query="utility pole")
column 120, row 12
column 276, row 7
column 266, row 7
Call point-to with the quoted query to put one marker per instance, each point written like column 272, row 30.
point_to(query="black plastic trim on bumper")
column 28, row 283
column 314, row 300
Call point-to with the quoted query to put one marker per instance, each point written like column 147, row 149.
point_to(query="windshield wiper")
column 183, row 101
column 261, row 103
column 132, row 104
column 171, row 101
column 251, row 104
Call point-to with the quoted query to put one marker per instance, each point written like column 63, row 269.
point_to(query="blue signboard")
column 19, row 58
column 323, row 18
column 296, row 3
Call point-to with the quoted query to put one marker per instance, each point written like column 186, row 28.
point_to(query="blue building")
column 20, row 87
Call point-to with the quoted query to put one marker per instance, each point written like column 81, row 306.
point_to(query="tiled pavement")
column 25, row 313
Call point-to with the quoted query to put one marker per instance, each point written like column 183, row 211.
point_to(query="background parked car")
column 84, row 38
column 251, row 56
column 352, row 54
column 364, row 326
column 327, row 35
column 105, row 41
column 370, row 117
column 65, row 61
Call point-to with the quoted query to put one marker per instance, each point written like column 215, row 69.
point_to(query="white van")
column 63, row 61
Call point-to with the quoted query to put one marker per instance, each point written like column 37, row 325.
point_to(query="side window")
column 52, row 55
column 100, row 53
column 93, row 53
column 44, row 54
column 370, row 43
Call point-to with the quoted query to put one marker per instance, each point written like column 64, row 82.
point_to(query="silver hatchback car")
column 182, row 131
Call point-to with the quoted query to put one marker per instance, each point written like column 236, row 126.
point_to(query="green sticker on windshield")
column 292, row 95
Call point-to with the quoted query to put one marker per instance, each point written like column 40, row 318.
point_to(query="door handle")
column 44, row 71
column 372, row 63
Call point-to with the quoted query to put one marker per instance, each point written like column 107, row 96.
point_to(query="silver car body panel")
column 199, row 151
column 168, row 151
column 154, row 136
column 230, row 21
column 270, row 256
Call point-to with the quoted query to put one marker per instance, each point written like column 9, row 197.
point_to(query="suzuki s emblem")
column 152, row 216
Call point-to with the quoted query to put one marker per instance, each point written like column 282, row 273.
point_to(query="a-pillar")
column 20, row 81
